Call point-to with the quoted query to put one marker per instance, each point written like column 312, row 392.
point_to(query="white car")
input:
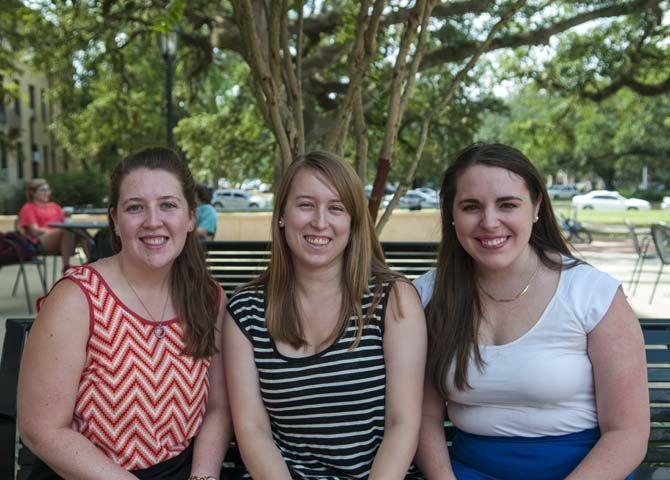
column 608, row 200
column 666, row 202
column 234, row 199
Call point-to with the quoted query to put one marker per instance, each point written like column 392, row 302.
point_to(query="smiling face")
column 316, row 224
column 493, row 216
column 152, row 217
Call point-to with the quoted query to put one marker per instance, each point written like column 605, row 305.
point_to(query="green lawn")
column 641, row 218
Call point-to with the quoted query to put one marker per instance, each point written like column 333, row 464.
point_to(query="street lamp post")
column 168, row 43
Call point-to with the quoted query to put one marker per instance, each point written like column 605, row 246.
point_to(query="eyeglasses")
column 44, row 189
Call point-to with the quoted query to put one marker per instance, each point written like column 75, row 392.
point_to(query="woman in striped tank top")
column 118, row 366
column 326, row 349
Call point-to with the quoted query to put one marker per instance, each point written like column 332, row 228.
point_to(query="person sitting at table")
column 35, row 216
column 205, row 213
column 538, row 355
column 122, row 368
column 325, row 351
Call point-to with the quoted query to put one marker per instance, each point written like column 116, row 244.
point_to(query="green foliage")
column 612, row 139
column 649, row 195
column 79, row 188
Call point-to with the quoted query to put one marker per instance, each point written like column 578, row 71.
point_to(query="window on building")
column 17, row 99
column 19, row 159
column 35, row 160
column 3, row 113
column 4, row 167
column 45, row 158
column 31, row 97
column 43, row 109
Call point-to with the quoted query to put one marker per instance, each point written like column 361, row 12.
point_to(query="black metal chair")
column 660, row 233
column 641, row 243
column 40, row 266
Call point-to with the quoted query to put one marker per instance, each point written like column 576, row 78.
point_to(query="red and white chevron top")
column 140, row 400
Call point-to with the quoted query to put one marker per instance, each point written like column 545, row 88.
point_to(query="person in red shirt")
column 34, row 219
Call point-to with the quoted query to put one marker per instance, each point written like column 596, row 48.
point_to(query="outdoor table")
column 80, row 229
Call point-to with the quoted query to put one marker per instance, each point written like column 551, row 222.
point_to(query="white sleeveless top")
column 541, row 384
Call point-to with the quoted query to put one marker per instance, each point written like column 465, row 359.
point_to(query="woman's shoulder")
column 26, row 207
column 424, row 285
column 583, row 275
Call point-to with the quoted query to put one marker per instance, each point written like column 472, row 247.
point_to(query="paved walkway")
column 614, row 257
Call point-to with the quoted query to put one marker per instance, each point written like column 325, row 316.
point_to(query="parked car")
column 388, row 190
column 562, row 192
column 413, row 199
column 433, row 194
column 608, row 200
column 234, row 199
column 666, row 202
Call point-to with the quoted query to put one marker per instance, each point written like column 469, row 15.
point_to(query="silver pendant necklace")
column 159, row 328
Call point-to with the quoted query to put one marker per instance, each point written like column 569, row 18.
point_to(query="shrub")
column 648, row 195
column 78, row 189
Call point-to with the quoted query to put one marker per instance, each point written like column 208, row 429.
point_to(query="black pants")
column 177, row 468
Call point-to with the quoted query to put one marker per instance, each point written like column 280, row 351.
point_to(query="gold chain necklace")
column 159, row 329
column 518, row 295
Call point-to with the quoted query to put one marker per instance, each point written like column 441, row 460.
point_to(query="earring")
column 453, row 224
column 536, row 219
column 281, row 222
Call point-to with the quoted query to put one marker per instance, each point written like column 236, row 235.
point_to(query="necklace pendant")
column 159, row 331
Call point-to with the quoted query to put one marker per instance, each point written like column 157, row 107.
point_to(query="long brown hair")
column 194, row 293
column 363, row 256
column 454, row 311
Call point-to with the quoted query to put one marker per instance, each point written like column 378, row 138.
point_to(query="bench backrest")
column 233, row 264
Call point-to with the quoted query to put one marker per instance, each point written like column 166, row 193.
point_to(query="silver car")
column 234, row 199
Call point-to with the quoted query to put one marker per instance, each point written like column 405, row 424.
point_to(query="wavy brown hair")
column 454, row 311
column 363, row 256
column 195, row 294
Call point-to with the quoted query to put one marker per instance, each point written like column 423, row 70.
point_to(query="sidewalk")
column 614, row 257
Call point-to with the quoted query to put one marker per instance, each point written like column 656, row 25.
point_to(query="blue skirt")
column 479, row 457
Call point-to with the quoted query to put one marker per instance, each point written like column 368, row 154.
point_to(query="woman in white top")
column 538, row 356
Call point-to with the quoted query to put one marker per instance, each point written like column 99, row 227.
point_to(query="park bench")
column 656, row 464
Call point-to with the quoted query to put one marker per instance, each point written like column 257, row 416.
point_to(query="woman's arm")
column 214, row 437
column 252, row 425
column 616, row 350
column 432, row 455
column 405, row 359
column 53, row 359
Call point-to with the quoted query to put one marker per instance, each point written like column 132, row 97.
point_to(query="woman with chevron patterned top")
column 125, row 353
column 327, row 347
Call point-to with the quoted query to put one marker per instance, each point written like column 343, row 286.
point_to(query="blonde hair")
column 363, row 257
column 32, row 186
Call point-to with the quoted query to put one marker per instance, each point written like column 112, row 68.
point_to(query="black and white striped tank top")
column 326, row 410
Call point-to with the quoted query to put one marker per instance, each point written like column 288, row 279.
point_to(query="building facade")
column 27, row 147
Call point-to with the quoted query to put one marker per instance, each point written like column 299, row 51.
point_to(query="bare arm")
column 432, row 456
column 51, row 367
column 216, row 432
column 252, row 425
column 405, row 359
column 616, row 350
